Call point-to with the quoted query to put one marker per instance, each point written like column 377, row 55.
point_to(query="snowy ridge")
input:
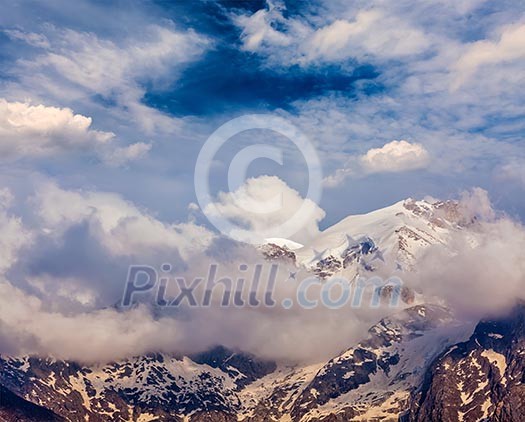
column 385, row 241
column 401, row 231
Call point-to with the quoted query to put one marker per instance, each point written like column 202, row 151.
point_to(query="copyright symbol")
column 237, row 171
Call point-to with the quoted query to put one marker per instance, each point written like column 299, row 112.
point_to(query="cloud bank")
column 32, row 131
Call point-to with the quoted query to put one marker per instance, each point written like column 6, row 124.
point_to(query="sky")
column 105, row 107
column 155, row 79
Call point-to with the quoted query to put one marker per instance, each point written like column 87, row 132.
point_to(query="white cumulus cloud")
column 263, row 204
column 28, row 130
column 394, row 157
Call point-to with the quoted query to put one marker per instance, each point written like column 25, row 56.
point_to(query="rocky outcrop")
column 273, row 252
column 369, row 374
column 15, row 409
column 480, row 379
column 157, row 386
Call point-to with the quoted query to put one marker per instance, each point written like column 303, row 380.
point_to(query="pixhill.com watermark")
column 257, row 286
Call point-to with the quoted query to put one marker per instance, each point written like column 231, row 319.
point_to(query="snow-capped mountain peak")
column 382, row 241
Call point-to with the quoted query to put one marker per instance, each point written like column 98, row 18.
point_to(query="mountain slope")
column 224, row 384
column 480, row 379
column 385, row 241
column 137, row 388
column 15, row 409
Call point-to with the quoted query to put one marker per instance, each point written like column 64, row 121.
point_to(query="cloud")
column 122, row 155
column 121, row 227
column 99, row 336
column 257, row 29
column 513, row 171
column 74, row 65
column 50, row 301
column 339, row 176
column 394, row 157
column 78, row 245
column 34, row 317
column 473, row 129
column 14, row 237
column 371, row 33
column 265, row 203
column 28, row 131
column 408, row 95
column 475, row 204
column 39, row 130
column 31, row 38
column 102, row 66
column 485, row 273
column 508, row 48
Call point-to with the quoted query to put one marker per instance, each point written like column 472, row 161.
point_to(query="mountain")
column 153, row 387
column 385, row 241
column 374, row 378
column 410, row 367
column 377, row 374
column 417, row 364
column 15, row 409
column 480, row 379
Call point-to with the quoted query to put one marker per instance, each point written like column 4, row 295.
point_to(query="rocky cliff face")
column 15, row 409
column 376, row 375
column 153, row 387
column 480, row 379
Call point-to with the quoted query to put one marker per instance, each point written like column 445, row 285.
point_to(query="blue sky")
column 444, row 76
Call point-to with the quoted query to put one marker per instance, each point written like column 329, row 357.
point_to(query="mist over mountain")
column 359, row 362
